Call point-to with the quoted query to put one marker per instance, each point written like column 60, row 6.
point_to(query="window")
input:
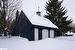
column 51, row 33
column 36, row 33
column 44, row 33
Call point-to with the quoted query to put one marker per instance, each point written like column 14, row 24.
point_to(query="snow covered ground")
column 69, row 38
column 18, row 43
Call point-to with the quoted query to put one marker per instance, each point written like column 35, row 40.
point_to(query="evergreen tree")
column 15, row 25
column 19, row 25
column 56, row 14
column 2, row 18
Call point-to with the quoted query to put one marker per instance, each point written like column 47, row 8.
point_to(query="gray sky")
column 31, row 6
column 70, row 6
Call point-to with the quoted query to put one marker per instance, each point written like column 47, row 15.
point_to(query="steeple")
column 38, row 12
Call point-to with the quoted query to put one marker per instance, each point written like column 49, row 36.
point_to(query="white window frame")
column 44, row 33
column 36, row 32
column 51, row 33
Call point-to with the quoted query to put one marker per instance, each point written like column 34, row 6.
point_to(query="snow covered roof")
column 35, row 19
column 39, row 20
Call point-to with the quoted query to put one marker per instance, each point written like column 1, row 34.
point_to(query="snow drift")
column 18, row 43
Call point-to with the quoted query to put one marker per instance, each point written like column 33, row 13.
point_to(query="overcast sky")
column 31, row 6
column 70, row 6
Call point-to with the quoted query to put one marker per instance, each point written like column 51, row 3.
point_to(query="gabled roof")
column 39, row 20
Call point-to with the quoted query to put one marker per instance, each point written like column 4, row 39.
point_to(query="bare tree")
column 13, row 6
column 10, row 7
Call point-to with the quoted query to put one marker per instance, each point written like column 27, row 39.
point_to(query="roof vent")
column 38, row 12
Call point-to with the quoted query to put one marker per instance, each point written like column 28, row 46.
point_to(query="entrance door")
column 36, row 33
column 51, row 33
column 44, row 33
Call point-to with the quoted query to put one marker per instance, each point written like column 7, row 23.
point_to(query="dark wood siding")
column 25, row 27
